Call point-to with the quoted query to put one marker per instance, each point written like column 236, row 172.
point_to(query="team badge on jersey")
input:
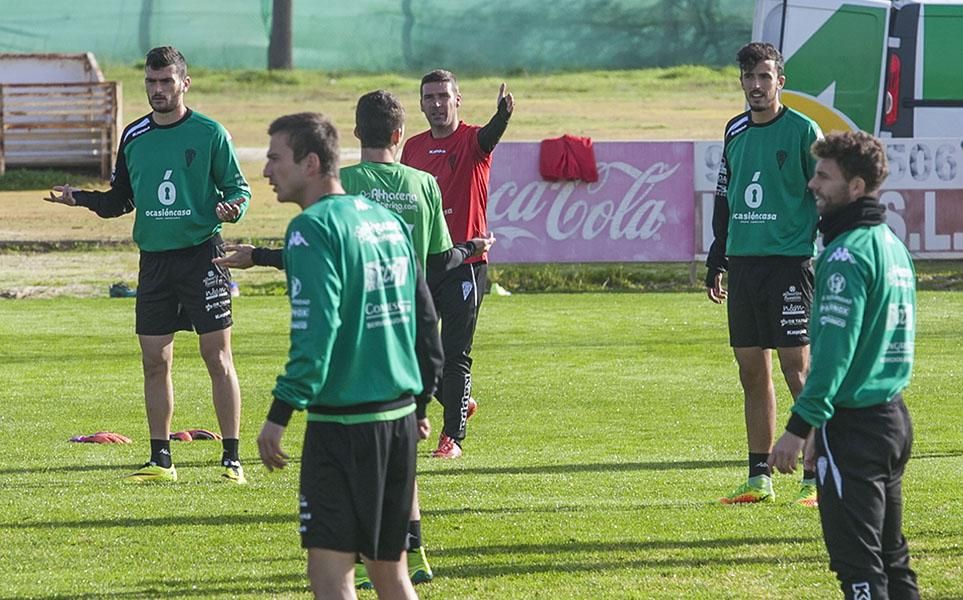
column 189, row 155
column 781, row 156
column 466, row 288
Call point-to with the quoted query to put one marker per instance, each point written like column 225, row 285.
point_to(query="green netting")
column 391, row 35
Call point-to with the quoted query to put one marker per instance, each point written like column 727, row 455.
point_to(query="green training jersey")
column 351, row 281
column 411, row 193
column 172, row 177
column 764, row 176
column 863, row 324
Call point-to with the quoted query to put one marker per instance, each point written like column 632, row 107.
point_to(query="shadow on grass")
column 262, row 586
column 682, row 465
column 588, row 468
column 120, row 468
column 167, row 521
column 621, row 546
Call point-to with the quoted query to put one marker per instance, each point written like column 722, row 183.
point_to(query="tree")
column 279, row 49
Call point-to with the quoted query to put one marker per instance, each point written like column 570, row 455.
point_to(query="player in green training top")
column 364, row 337
column 177, row 172
column 410, row 192
column 414, row 195
column 764, row 223
column 863, row 334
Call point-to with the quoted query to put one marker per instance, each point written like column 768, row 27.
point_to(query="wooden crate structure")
column 60, row 124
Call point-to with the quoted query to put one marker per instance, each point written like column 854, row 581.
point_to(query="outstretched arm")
column 457, row 254
column 490, row 134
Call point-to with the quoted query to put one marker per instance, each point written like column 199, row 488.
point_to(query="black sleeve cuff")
column 280, row 413
column 711, row 276
column 421, row 407
column 798, row 426
column 268, row 257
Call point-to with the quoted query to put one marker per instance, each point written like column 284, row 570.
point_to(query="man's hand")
column 785, row 454
column 809, row 452
column 717, row 293
column 66, row 195
column 424, row 428
column 242, row 256
column 269, row 446
column 229, row 211
column 509, row 99
column 482, row 244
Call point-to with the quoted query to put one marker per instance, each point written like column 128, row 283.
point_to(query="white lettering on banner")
column 919, row 231
column 924, row 164
column 634, row 216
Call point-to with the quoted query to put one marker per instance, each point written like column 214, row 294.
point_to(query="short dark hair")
column 379, row 113
column 858, row 154
column 439, row 75
column 165, row 56
column 754, row 53
column 311, row 132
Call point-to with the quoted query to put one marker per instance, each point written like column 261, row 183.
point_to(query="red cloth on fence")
column 568, row 157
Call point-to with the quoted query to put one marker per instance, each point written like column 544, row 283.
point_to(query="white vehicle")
column 892, row 68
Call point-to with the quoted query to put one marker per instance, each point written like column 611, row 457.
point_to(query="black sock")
column 811, row 475
column 414, row 535
column 230, row 451
column 160, row 453
column 758, row 465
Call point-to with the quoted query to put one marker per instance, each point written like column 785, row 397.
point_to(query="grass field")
column 608, row 424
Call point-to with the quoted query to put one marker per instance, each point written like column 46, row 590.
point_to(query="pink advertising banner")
column 640, row 209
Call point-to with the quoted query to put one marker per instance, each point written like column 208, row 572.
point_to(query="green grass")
column 630, row 104
column 608, row 424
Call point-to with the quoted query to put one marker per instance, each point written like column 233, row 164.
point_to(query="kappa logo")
column 466, row 288
column 862, row 591
column 841, row 255
column 781, row 156
column 360, row 205
column 836, row 283
column 296, row 239
column 189, row 155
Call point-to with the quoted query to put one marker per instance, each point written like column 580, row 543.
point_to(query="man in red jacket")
column 460, row 157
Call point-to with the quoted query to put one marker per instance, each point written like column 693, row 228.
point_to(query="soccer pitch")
column 608, row 425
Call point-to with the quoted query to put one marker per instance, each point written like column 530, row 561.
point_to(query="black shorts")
column 357, row 483
column 770, row 300
column 181, row 290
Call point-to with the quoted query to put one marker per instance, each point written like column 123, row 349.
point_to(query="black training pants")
column 458, row 296
column 861, row 456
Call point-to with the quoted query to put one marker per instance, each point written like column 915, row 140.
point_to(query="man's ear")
column 312, row 163
column 857, row 187
column 397, row 135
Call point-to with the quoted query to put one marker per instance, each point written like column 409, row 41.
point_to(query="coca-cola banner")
column 654, row 200
column 640, row 209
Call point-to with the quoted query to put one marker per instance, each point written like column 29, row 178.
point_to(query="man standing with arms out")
column 363, row 338
column 414, row 195
column 177, row 171
column 764, row 223
column 460, row 157
column 863, row 334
